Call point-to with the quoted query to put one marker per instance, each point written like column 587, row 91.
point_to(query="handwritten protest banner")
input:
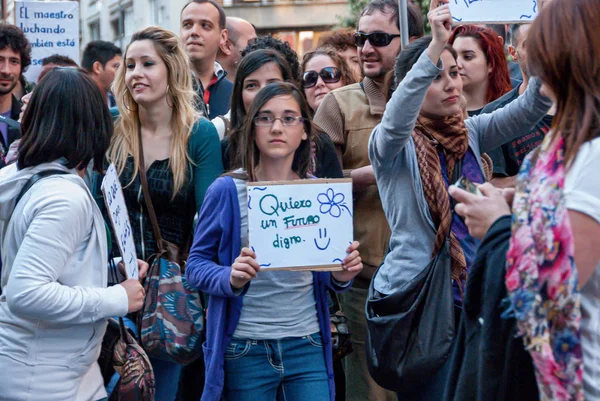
column 117, row 210
column 52, row 27
column 300, row 225
column 506, row 11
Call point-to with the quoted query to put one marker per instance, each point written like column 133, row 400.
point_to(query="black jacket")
column 220, row 95
column 489, row 363
column 13, row 133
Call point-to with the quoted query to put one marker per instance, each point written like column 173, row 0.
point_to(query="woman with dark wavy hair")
column 481, row 64
column 553, row 259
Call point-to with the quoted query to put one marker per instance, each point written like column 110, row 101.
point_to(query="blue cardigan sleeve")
column 213, row 230
column 205, row 151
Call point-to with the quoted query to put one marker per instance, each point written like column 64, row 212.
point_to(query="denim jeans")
column 290, row 369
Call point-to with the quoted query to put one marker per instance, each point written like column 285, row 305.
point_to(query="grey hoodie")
column 54, row 301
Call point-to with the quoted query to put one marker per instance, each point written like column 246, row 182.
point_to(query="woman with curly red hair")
column 481, row 64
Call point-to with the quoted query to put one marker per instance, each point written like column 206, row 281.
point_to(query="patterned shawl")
column 541, row 277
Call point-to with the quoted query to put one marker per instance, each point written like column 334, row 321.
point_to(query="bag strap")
column 10, row 122
column 147, row 199
column 37, row 177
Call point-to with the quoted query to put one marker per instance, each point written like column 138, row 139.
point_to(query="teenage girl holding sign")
column 268, row 333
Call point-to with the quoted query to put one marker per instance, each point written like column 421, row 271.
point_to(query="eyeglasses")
column 376, row 39
column 267, row 120
column 329, row 75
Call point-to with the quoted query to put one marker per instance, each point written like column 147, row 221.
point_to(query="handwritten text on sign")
column 300, row 224
column 115, row 202
column 52, row 27
column 493, row 10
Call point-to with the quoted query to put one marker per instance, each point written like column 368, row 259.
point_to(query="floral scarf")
column 541, row 277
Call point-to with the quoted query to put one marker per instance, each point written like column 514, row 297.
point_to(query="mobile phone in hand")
column 465, row 184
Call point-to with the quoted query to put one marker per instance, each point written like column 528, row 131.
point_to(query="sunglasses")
column 329, row 75
column 376, row 39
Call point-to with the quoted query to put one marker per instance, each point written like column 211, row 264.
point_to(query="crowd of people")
column 473, row 152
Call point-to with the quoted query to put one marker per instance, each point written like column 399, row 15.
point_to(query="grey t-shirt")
column 278, row 304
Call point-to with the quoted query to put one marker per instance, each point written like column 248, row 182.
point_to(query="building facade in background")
column 300, row 22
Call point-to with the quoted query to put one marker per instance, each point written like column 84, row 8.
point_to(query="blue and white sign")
column 302, row 224
column 119, row 217
column 52, row 27
column 493, row 11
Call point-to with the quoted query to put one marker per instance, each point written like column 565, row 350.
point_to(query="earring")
column 169, row 96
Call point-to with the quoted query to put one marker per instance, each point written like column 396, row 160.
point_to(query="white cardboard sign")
column 117, row 210
column 301, row 224
column 52, row 27
column 493, row 11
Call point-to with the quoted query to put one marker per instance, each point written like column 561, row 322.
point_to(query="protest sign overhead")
column 52, row 27
column 301, row 224
column 493, row 11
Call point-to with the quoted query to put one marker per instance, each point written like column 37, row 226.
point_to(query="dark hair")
column 514, row 33
column 408, row 57
column 13, row 37
column 58, row 125
column 59, row 60
column 339, row 39
column 500, row 30
column 249, row 63
column 416, row 23
column 499, row 78
column 222, row 15
column 98, row 50
column 269, row 42
column 340, row 63
column 248, row 152
column 565, row 58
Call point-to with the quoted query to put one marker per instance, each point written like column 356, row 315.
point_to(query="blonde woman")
column 182, row 153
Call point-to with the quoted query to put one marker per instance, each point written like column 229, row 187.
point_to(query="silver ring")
column 439, row 13
column 241, row 276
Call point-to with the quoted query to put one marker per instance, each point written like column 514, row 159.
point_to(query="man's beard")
column 4, row 91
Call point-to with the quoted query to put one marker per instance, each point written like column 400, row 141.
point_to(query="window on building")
column 122, row 24
column 157, row 12
column 94, row 28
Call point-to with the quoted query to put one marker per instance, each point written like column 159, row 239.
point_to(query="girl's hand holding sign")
column 352, row 264
column 244, row 268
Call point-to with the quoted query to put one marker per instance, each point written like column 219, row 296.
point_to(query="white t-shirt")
column 582, row 193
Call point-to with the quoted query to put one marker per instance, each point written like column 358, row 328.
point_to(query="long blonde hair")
column 180, row 89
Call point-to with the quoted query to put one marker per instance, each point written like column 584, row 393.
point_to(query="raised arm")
column 402, row 111
column 512, row 121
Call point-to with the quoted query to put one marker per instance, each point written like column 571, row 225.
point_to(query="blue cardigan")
column 216, row 245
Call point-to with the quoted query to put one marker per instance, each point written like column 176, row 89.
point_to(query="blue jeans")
column 290, row 369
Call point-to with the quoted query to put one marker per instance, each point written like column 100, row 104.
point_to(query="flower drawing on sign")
column 332, row 203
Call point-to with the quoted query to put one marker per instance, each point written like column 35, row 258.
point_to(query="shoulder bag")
column 410, row 331
column 171, row 322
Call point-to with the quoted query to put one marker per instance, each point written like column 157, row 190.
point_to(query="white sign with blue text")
column 117, row 210
column 497, row 11
column 301, row 224
column 52, row 27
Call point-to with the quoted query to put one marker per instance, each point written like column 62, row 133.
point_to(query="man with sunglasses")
column 348, row 115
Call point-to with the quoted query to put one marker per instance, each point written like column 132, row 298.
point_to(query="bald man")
column 240, row 32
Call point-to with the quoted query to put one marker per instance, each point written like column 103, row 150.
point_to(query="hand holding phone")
column 467, row 185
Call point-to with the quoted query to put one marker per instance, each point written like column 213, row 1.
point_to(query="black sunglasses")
column 376, row 39
column 329, row 75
